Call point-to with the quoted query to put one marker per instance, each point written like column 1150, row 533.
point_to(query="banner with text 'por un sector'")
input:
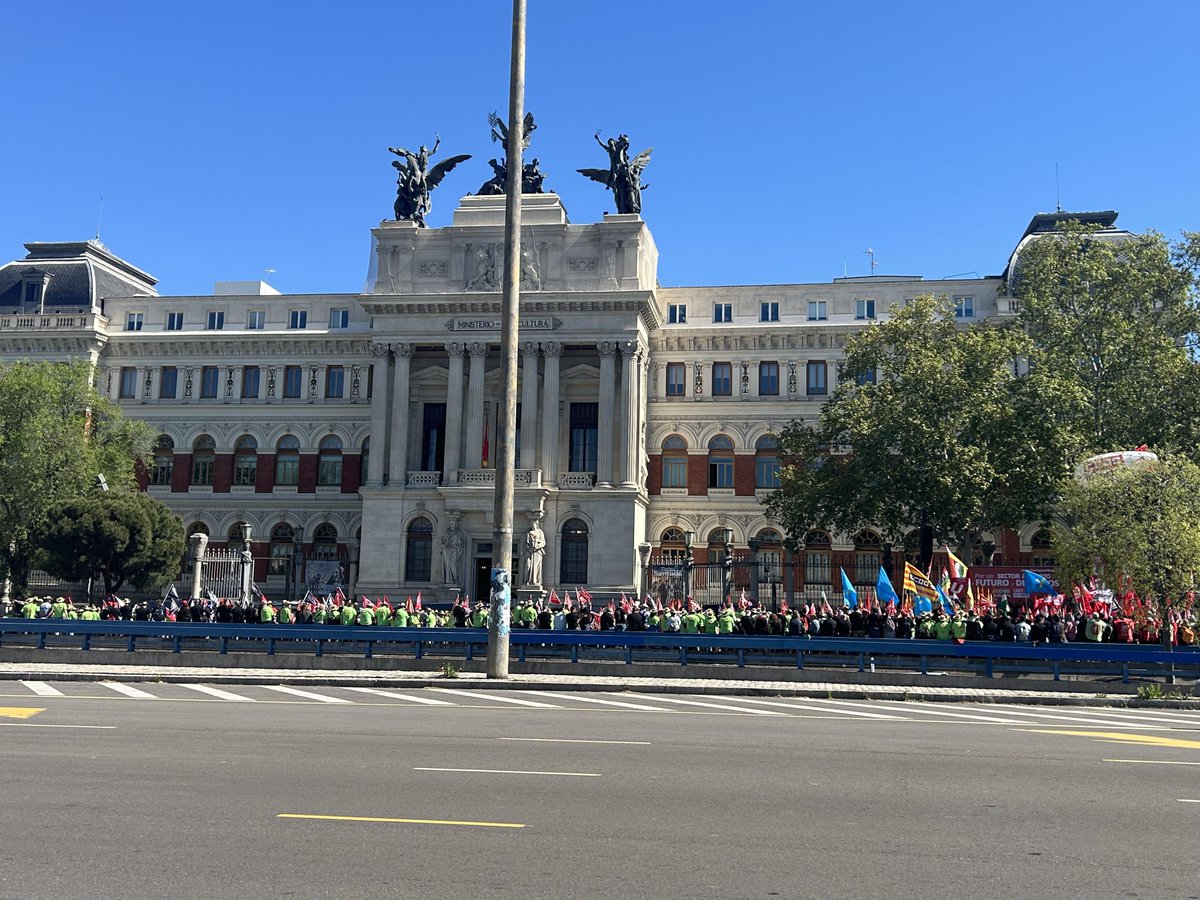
column 1008, row 580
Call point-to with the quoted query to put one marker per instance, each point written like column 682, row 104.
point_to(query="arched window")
column 329, row 463
column 235, row 535
column 674, row 462
column 287, row 461
column 720, row 462
column 1042, row 545
column 366, row 458
column 325, row 542
column 282, row 548
column 163, row 465
column 573, row 568
column 418, row 550
column 868, row 556
column 766, row 463
column 204, row 460
column 818, row 559
column 197, row 528
column 245, row 461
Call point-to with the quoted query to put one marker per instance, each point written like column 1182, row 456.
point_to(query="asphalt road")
column 182, row 793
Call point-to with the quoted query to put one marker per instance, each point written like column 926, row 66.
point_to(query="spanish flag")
column 915, row 582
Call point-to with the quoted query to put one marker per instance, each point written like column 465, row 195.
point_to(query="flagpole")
column 502, row 513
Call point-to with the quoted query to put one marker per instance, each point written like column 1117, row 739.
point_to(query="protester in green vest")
column 347, row 613
column 366, row 615
column 30, row 609
column 283, row 616
column 400, row 617
column 383, row 615
column 58, row 609
column 267, row 615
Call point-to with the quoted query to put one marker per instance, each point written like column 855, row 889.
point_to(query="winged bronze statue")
column 500, row 130
column 623, row 176
column 415, row 180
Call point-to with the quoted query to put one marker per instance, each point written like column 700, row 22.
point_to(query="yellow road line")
column 1155, row 762
column 20, row 712
column 505, row 772
column 570, row 741
column 401, row 821
column 1117, row 737
column 40, row 725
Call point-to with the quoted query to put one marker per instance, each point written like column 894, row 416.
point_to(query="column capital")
column 380, row 349
column 607, row 348
column 455, row 349
column 477, row 349
column 528, row 349
column 403, row 351
column 552, row 349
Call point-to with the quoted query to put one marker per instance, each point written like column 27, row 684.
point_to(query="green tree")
column 127, row 537
column 946, row 431
column 56, row 435
column 1113, row 323
column 1141, row 522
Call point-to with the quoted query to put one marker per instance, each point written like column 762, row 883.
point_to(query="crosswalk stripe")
column 42, row 689
column 738, row 709
column 412, row 698
column 1076, row 717
column 920, row 709
column 583, row 699
column 308, row 695
column 217, row 692
column 1130, row 717
column 805, row 706
column 487, row 695
column 127, row 690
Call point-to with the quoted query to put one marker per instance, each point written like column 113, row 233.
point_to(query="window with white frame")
column 768, row 311
column 674, row 462
column 174, row 321
column 297, row 318
column 722, row 312
column 676, row 379
column 864, row 309
column 216, row 319
column 676, row 313
column 818, row 310
column 339, row 318
column 256, row 320
column 964, row 307
column 128, row 386
column 134, row 320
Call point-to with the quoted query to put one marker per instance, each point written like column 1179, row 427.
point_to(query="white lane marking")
column 506, row 772
column 725, row 706
column 583, row 699
column 486, row 695
column 1071, row 717
column 308, row 695
column 42, row 689
column 1154, row 762
column 919, row 709
column 1128, row 716
column 1189, row 801
column 824, row 709
column 580, row 741
column 413, row 698
column 40, row 725
column 127, row 690
column 217, row 692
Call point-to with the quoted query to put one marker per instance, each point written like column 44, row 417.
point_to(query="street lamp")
column 689, row 538
column 727, row 562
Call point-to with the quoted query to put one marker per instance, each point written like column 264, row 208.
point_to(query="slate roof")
column 82, row 274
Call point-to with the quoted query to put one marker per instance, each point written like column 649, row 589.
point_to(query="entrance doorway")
column 482, row 580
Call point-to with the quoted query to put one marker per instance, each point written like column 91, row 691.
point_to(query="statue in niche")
column 529, row 274
column 415, row 179
column 483, row 269
column 532, row 177
column 623, row 176
column 535, row 551
column 452, row 551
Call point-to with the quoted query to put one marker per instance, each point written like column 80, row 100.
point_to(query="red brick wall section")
column 654, row 474
column 698, row 475
column 743, row 476
column 182, row 473
column 142, row 474
column 308, row 473
column 351, row 473
column 264, row 477
column 222, row 473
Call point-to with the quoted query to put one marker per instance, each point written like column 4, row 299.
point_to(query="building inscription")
column 529, row 324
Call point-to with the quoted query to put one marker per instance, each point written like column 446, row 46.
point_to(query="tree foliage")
column 946, row 431
column 56, row 435
column 128, row 537
column 1138, row 522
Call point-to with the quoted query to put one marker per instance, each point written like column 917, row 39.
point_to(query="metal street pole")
column 502, row 513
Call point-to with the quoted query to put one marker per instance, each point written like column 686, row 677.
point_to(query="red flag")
column 418, row 599
column 583, row 596
column 554, row 597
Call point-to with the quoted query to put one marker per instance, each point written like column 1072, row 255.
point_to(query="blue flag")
column 1038, row 584
column 884, row 590
column 849, row 594
column 945, row 600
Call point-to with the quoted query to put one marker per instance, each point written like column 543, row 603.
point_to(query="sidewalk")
column 1094, row 695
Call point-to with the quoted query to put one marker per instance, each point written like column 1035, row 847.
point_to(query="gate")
column 222, row 572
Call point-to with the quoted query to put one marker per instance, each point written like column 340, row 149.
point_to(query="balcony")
column 523, row 478
column 577, row 481
column 1007, row 306
column 49, row 322
column 424, row 479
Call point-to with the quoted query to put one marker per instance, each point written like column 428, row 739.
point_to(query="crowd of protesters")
column 997, row 622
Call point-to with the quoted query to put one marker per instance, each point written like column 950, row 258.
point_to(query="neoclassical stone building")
column 360, row 429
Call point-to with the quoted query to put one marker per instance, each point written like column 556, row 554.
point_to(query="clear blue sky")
column 231, row 137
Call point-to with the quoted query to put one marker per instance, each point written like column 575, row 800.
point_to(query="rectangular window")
column 128, row 386
column 210, row 377
column 581, row 453
column 175, row 321
column 335, row 382
column 817, row 566
column 768, row 379
column 293, row 382
column 768, row 312
column 33, row 294
column 722, row 312
column 766, row 472
column 864, row 309
column 162, row 468
column 287, row 469
column 675, row 472
column 216, row 320
column 676, row 313
column 298, row 318
column 433, row 437
column 964, row 307
column 722, row 379
column 245, row 469
column 339, row 318
column 816, row 383
column 169, row 383
column 676, row 379
column 202, row 469
column 256, row 320
column 818, row 310
column 866, row 377
column 250, row 379
column 720, row 471
column 134, row 320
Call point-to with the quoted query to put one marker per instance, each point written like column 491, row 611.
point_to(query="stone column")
column 398, row 440
column 529, row 395
column 550, row 424
column 474, row 428
column 643, row 417
column 607, row 422
column 380, row 401
column 630, row 357
column 454, row 398
column 114, row 383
